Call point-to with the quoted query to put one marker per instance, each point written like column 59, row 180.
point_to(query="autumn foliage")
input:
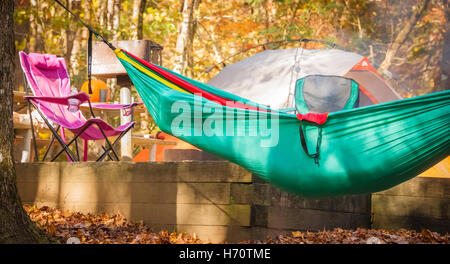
column 66, row 226
column 101, row 229
column 361, row 236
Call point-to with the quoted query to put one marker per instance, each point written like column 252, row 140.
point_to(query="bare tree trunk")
column 182, row 38
column 80, row 40
column 135, row 18
column 112, row 18
column 190, row 44
column 112, row 82
column 71, row 33
column 36, row 28
column 15, row 225
column 186, row 36
column 442, row 81
column 216, row 49
column 403, row 35
column 270, row 10
column 102, row 12
column 110, row 15
column 116, row 19
column 360, row 31
column 140, row 24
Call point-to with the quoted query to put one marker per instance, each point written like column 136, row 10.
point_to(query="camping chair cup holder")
column 46, row 76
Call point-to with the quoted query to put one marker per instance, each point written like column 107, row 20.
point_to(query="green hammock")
column 362, row 150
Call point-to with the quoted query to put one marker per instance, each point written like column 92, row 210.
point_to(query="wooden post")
column 153, row 153
column 26, row 150
column 106, row 65
column 126, row 148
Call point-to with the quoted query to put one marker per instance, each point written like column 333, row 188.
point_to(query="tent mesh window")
column 324, row 94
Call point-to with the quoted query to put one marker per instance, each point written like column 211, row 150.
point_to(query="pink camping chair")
column 46, row 75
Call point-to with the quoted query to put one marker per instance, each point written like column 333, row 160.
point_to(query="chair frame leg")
column 55, row 134
column 111, row 146
column 76, row 148
column 50, row 145
column 36, row 152
column 106, row 153
column 109, row 156
column 68, row 144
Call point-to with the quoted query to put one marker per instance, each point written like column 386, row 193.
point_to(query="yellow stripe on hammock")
column 124, row 57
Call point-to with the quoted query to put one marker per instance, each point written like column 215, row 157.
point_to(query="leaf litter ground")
column 75, row 227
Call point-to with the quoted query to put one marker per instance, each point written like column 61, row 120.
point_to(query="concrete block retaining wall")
column 220, row 201
column 416, row 204
column 277, row 212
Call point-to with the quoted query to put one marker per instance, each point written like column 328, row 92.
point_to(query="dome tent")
column 269, row 77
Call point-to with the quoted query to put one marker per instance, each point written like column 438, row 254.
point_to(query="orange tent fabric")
column 440, row 170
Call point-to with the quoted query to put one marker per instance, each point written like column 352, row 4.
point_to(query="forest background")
column 407, row 41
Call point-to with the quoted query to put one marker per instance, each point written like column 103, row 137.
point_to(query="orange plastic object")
column 142, row 156
column 159, row 155
column 98, row 86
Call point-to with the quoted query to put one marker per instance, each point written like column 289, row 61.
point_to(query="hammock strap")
column 89, row 62
column 315, row 156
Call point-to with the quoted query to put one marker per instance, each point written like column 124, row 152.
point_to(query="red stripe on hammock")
column 313, row 117
column 192, row 88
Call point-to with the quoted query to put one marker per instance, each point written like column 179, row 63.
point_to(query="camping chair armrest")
column 103, row 106
column 64, row 100
column 127, row 109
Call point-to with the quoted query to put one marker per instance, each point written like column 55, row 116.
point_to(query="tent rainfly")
column 270, row 76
